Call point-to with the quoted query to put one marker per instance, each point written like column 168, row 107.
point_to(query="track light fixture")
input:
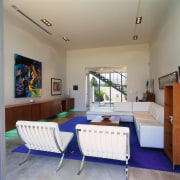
column 46, row 22
column 138, row 20
column 65, row 38
column 30, row 19
column 135, row 37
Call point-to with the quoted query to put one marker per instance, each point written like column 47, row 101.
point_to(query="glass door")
column 106, row 88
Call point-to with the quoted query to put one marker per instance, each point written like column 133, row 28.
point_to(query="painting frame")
column 27, row 77
column 56, row 86
column 168, row 79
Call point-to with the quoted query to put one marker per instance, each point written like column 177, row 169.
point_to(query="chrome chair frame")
column 126, row 155
column 55, row 140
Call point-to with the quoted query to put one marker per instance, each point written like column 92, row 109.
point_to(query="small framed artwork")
column 75, row 87
column 56, row 86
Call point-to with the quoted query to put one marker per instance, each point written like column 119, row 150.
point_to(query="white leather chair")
column 109, row 142
column 43, row 136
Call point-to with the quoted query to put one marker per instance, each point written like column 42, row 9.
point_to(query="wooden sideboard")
column 150, row 97
column 36, row 111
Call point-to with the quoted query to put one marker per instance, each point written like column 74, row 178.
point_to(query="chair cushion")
column 66, row 138
column 110, row 142
column 40, row 136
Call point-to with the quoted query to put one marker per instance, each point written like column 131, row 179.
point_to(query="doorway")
column 105, row 86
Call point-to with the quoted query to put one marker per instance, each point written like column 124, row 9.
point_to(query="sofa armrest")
column 151, row 135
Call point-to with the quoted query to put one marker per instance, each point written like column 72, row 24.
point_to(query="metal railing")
column 115, row 80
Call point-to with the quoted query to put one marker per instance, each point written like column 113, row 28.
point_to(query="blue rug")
column 149, row 158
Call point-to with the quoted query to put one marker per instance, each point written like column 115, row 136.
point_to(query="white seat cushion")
column 141, row 106
column 143, row 115
column 99, row 112
column 147, row 121
column 116, row 113
column 126, row 106
column 157, row 111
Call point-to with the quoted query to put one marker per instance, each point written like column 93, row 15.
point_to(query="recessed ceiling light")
column 135, row 37
column 65, row 38
column 46, row 22
column 138, row 20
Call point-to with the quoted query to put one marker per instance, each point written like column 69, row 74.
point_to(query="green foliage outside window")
column 93, row 82
column 101, row 95
column 106, row 85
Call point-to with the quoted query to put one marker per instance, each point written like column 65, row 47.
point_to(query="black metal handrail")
column 118, row 86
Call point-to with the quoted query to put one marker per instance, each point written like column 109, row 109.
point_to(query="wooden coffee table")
column 112, row 121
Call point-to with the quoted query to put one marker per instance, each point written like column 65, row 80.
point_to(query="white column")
column 2, row 116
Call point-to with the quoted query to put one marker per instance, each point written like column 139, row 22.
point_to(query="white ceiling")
column 92, row 23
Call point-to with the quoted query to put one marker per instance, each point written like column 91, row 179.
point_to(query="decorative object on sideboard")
column 28, row 77
column 151, row 88
column 147, row 84
column 168, row 79
column 31, row 100
column 137, row 96
column 106, row 117
column 56, row 86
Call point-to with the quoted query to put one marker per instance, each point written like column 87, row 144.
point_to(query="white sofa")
column 148, row 118
column 124, row 110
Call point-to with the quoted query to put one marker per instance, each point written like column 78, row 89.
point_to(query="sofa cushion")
column 126, row 106
column 141, row 106
column 148, row 121
column 116, row 113
column 157, row 111
column 143, row 115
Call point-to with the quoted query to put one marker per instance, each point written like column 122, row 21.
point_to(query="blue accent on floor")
column 149, row 158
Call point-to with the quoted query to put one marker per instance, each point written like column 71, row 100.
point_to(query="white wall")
column 2, row 114
column 22, row 39
column 165, row 49
column 135, row 57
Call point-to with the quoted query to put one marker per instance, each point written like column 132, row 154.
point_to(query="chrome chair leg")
column 60, row 163
column 82, row 164
column 25, row 158
column 126, row 167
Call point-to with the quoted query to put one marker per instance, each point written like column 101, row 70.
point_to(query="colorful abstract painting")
column 28, row 77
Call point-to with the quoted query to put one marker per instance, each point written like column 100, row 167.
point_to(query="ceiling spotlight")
column 138, row 20
column 46, row 22
column 135, row 37
column 65, row 38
